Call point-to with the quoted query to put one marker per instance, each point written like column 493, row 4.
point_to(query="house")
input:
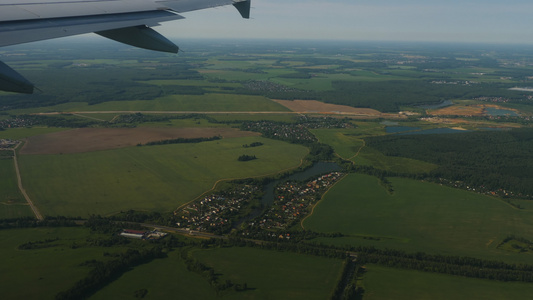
column 133, row 234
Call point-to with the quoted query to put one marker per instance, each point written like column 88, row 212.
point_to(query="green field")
column 345, row 142
column 163, row 278
column 201, row 103
column 12, row 203
column 371, row 157
column 20, row 133
column 349, row 145
column 420, row 216
column 387, row 283
column 274, row 275
column 42, row 273
column 154, row 178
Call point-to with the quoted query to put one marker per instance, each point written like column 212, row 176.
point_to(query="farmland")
column 155, row 178
column 419, row 216
column 12, row 204
column 132, row 135
column 274, row 275
column 389, row 283
column 51, row 268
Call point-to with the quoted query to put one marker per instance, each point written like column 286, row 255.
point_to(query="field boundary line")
column 358, row 151
column 21, row 188
column 321, row 198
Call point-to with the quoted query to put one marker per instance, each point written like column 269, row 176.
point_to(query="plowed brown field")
column 95, row 139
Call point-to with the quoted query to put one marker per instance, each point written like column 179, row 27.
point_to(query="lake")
column 491, row 111
column 397, row 129
column 436, row 131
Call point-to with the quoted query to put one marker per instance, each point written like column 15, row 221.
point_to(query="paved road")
column 21, row 188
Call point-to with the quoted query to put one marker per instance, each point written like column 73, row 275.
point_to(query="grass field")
column 345, row 142
column 274, row 275
column 155, row 178
column 12, row 203
column 288, row 118
column 371, row 157
column 349, row 144
column 207, row 102
column 166, row 278
column 387, row 283
column 20, row 133
column 42, row 273
column 420, row 216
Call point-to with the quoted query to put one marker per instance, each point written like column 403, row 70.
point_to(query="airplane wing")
column 125, row 21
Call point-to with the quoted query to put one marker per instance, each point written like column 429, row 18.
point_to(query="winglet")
column 244, row 8
column 11, row 81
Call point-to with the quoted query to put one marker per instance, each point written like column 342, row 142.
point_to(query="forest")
column 490, row 160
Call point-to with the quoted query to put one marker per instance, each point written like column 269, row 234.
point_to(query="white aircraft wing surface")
column 126, row 21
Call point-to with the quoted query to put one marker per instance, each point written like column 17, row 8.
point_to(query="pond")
column 436, row 131
column 491, row 111
column 317, row 169
column 397, row 129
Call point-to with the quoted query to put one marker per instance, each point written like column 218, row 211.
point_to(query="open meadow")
column 420, row 216
column 52, row 266
column 12, row 203
column 383, row 283
column 274, row 275
column 153, row 178
column 177, row 103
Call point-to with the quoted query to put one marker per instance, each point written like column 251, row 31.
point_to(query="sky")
column 488, row 21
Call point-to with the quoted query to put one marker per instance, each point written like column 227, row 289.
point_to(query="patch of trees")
column 347, row 287
column 38, row 244
column 30, row 222
column 57, row 121
column 182, row 141
column 106, row 272
column 452, row 265
column 299, row 75
column 209, row 274
column 107, row 225
column 254, row 144
column 490, row 161
column 246, row 157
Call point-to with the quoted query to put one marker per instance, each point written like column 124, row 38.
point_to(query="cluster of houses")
column 7, row 143
column 292, row 201
column 482, row 189
column 282, row 131
column 16, row 122
column 215, row 211
column 296, row 132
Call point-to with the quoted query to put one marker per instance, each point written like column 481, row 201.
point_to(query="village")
column 7, row 144
column 214, row 213
column 292, row 201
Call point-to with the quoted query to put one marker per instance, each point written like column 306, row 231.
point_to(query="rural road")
column 22, row 190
